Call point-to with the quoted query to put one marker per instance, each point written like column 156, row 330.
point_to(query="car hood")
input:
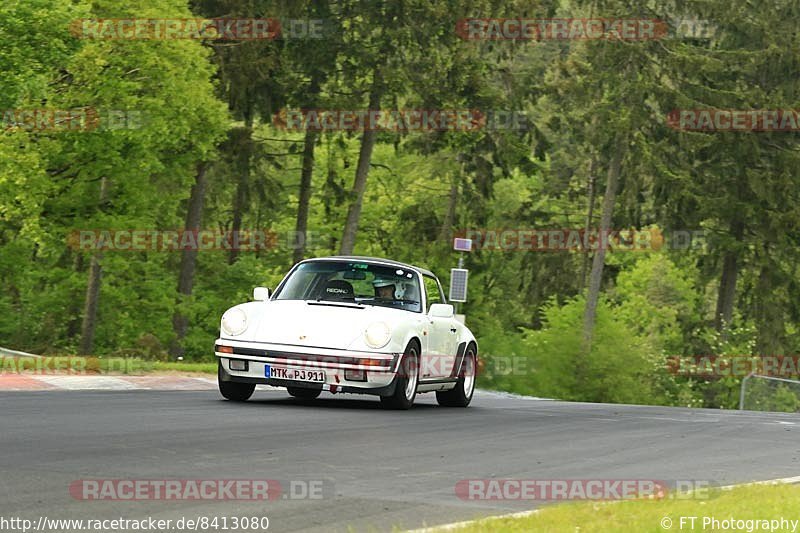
column 313, row 324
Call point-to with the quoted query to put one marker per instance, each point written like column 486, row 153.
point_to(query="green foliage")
column 619, row 368
column 658, row 301
column 587, row 102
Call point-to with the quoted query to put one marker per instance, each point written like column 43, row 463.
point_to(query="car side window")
column 432, row 291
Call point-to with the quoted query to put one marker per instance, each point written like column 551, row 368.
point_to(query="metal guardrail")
column 16, row 353
column 754, row 375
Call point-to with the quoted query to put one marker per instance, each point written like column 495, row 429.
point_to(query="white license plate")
column 295, row 374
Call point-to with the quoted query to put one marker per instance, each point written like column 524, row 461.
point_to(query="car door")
column 441, row 335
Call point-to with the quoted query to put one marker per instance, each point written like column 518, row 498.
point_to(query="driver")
column 386, row 289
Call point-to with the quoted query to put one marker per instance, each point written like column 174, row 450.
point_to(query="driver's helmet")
column 399, row 287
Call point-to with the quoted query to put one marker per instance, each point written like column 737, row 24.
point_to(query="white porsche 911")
column 352, row 325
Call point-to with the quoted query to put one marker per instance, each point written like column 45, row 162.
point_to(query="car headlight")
column 378, row 335
column 234, row 321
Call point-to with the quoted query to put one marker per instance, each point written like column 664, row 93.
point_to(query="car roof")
column 381, row 260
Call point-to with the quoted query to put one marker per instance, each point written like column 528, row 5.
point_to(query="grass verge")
column 753, row 503
column 182, row 366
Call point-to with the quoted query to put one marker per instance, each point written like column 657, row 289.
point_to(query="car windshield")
column 353, row 282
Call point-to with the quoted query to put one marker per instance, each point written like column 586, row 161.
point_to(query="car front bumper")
column 379, row 369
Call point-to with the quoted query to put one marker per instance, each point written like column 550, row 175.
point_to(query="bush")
column 619, row 368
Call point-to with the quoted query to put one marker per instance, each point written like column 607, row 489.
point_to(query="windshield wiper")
column 333, row 303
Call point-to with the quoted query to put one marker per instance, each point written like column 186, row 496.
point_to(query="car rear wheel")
column 304, row 393
column 233, row 391
column 405, row 389
column 461, row 395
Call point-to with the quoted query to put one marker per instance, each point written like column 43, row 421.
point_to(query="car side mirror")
column 260, row 294
column 442, row 311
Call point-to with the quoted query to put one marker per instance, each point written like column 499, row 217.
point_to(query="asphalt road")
column 381, row 469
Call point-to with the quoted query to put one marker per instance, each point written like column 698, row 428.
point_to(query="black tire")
column 409, row 366
column 233, row 391
column 304, row 393
column 459, row 396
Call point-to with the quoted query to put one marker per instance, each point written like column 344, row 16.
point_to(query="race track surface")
column 381, row 469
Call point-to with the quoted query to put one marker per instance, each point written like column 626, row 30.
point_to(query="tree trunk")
column 598, row 262
column 75, row 324
column 92, row 301
column 306, row 174
column 362, row 170
column 305, row 196
column 244, row 144
column 727, row 283
column 194, row 218
column 446, row 233
column 767, row 312
column 589, row 215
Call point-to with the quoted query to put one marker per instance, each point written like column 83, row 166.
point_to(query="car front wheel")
column 233, row 391
column 405, row 389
